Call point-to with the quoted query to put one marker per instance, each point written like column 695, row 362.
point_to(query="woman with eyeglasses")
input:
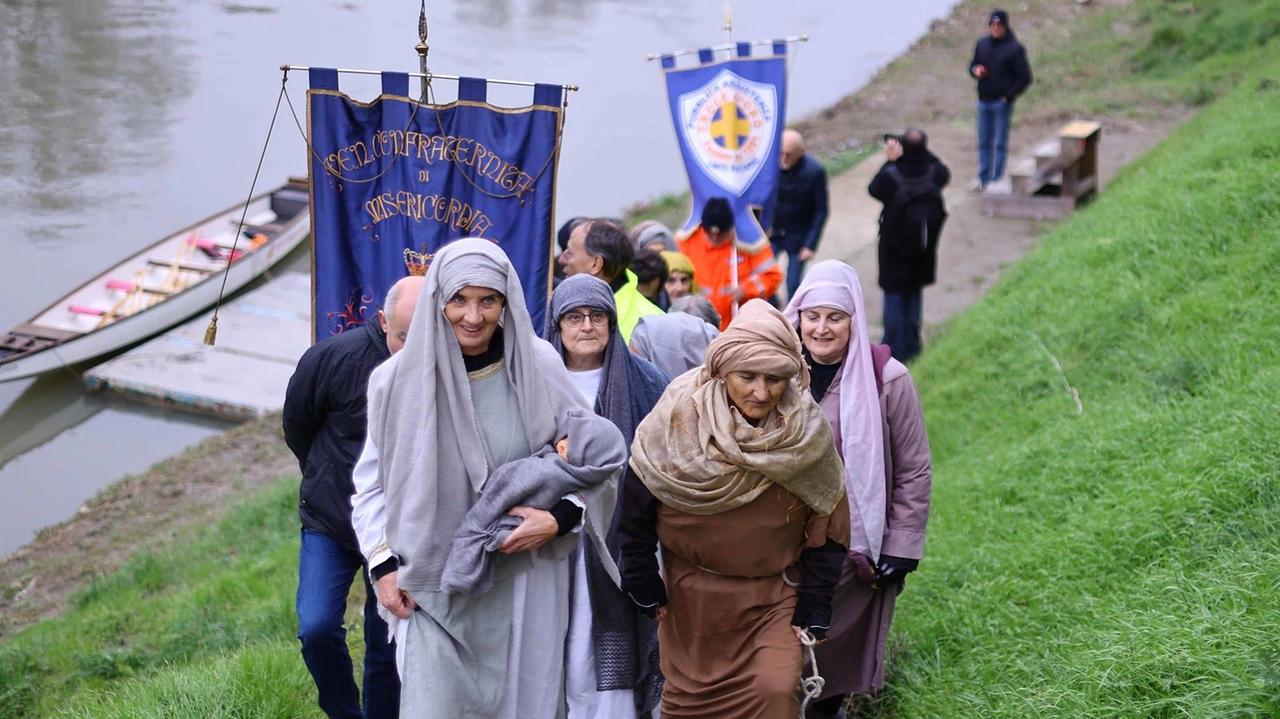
column 612, row 653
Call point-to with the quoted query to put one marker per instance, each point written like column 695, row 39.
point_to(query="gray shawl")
column 630, row 386
column 596, row 454
column 432, row 462
column 674, row 342
column 698, row 306
column 626, row 646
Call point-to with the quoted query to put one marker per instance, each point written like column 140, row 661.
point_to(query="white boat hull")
column 173, row 311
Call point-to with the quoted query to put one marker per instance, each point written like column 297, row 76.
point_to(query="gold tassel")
column 211, row 332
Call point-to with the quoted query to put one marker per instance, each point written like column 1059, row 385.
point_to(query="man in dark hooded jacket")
column 1000, row 66
column 324, row 424
column 910, row 186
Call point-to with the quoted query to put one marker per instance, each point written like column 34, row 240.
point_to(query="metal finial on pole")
column 422, row 47
column 728, row 23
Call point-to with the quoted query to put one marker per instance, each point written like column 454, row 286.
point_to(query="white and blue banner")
column 729, row 116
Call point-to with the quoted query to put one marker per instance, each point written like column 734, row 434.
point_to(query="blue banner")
column 729, row 116
column 394, row 180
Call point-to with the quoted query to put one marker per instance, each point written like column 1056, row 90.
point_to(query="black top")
column 567, row 514
column 802, row 206
column 898, row 272
column 489, row 356
column 820, row 375
column 1008, row 72
column 324, row 424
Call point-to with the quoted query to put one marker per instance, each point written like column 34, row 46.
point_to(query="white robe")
column 585, row 701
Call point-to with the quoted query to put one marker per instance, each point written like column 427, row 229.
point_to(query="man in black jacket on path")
column 1000, row 66
column 910, row 186
column 801, row 210
column 324, row 425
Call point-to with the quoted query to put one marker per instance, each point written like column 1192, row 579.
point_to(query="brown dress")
column 727, row 646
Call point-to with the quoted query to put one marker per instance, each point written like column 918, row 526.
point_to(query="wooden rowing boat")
column 159, row 287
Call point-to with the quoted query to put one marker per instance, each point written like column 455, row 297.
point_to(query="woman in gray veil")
column 473, row 390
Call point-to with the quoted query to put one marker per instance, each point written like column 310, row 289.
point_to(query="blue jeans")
column 994, row 118
column 795, row 268
column 903, row 316
column 325, row 572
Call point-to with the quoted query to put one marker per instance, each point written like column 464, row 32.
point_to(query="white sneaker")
column 977, row 187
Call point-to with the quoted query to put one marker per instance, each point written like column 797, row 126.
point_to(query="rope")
column 812, row 685
column 211, row 332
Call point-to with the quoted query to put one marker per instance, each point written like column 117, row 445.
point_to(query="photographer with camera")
column 910, row 187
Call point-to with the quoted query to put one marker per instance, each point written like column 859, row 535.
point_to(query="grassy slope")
column 202, row 630
column 1116, row 563
column 1120, row 562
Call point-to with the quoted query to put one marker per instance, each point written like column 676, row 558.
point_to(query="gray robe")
column 498, row 655
column 852, row 658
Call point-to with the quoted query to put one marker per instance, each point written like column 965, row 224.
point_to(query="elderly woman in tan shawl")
column 736, row 475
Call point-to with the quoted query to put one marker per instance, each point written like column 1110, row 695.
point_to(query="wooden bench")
column 1060, row 174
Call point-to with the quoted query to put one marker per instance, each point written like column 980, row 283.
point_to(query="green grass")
column 1130, row 57
column 203, row 629
column 1123, row 561
column 1119, row 562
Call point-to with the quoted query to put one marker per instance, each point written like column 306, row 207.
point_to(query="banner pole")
column 733, row 273
column 726, row 46
column 428, row 76
column 422, row 48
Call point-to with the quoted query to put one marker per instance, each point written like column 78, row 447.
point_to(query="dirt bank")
column 927, row 87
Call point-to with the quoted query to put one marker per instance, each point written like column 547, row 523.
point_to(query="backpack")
column 915, row 220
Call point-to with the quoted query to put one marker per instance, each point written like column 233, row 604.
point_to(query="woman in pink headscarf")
column 874, row 411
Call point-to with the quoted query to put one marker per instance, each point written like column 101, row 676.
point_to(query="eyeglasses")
column 574, row 319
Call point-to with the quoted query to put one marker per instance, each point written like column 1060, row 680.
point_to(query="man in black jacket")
column 1000, row 66
column 910, row 186
column 801, row 210
column 324, row 425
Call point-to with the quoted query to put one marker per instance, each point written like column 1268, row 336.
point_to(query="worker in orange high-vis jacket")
column 713, row 250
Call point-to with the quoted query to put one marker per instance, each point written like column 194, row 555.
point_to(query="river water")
column 124, row 120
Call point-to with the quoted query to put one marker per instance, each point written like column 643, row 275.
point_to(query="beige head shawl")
column 697, row 453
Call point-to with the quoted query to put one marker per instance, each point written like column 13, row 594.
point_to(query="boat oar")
column 110, row 314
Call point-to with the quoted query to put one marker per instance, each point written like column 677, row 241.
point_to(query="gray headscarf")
column 625, row 651
column 698, row 306
column 623, row 375
column 675, row 342
column 654, row 231
column 432, row 463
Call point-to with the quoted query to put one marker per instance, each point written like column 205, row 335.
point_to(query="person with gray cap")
column 653, row 235
column 1000, row 66
column 676, row 342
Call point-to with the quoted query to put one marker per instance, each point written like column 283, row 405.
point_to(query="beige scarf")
column 696, row 452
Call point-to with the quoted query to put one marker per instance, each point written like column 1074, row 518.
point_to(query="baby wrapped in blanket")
column 588, row 468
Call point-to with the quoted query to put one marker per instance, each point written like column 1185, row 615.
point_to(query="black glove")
column 648, row 592
column 892, row 570
column 814, row 616
column 820, row 569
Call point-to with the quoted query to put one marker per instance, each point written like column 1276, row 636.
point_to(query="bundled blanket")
column 596, row 454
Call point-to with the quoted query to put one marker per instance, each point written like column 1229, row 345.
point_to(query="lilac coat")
column 852, row 658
